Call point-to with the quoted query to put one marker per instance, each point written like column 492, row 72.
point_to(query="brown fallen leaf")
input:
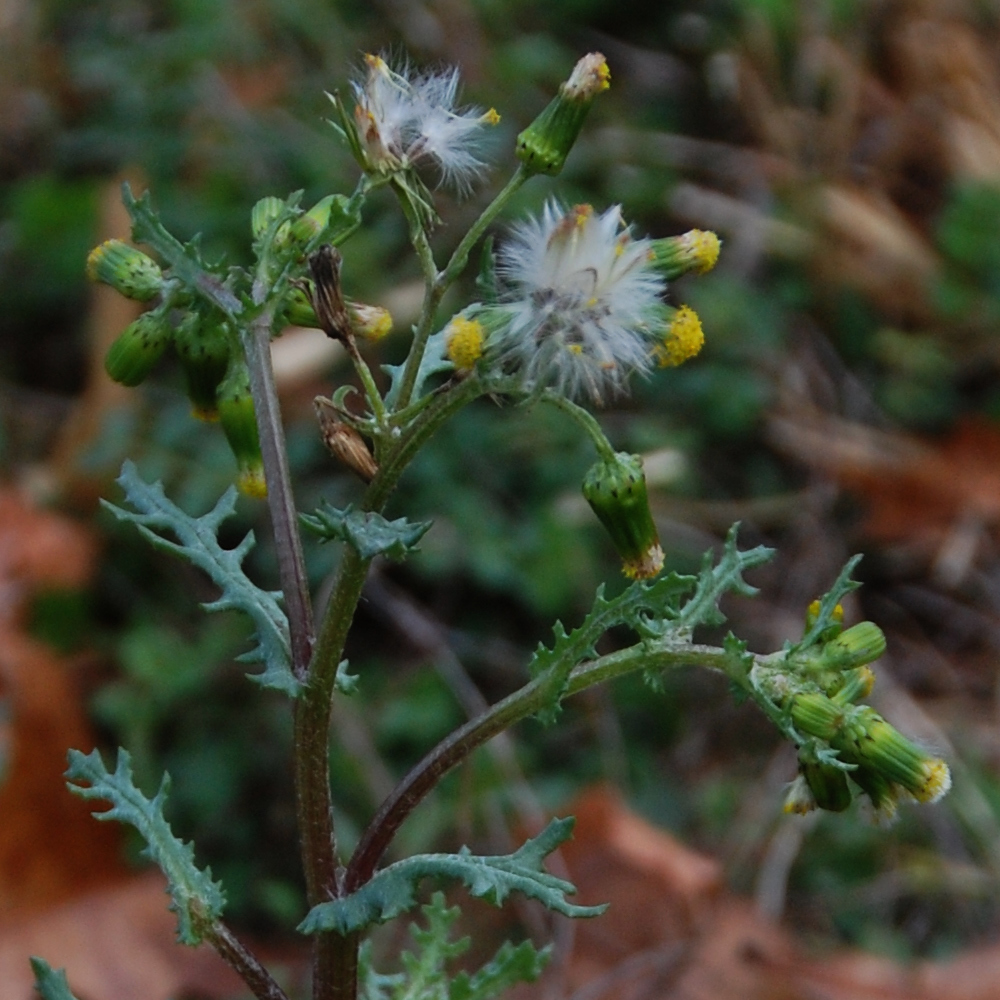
column 116, row 943
column 913, row 490
column 672, row 931
column 65, row 893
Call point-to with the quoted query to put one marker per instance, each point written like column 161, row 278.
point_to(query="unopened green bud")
column 860, row 644
column 697, row 251
column 828, row 785
column 312, row 223
column 616, row 490
column 300, row 312
column 239, row 422
column 853, row 685
column 879, row 745
column 126, row 269
column 836, row 620
column 544, row 145
column 263, row 214
column 203, row 346
column 815, row 714
column 884, row 795
column 138, row 347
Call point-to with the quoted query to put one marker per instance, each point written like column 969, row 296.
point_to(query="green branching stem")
column 371, row 389
column 257, row 978
column 281, row 501
column 584, row 418
column 460, row 257
column 524, row 702
column 442, row 281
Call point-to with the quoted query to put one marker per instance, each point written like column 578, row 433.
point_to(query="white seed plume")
column 404, row 119
column 582, row 301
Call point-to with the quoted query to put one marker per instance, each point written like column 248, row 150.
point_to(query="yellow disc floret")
column 683, row 341
column 464, row 338
column 370, row 323
column 704, row 249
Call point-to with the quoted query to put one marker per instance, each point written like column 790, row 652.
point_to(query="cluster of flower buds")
column 205, row 345
column 821, row 698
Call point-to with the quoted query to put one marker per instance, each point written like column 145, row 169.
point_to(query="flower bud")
column 369, row 323
column 836, row 620
column 697, row 251
column 239, row 423
column 310, row 224
column 853, row 686
column 828, row 785
column 860, row 644
column 815, row 714
column 203, row 348
column 874, row 742
column 126, row 269
column 883, row 794
column 616, row 490
column 138, row 347
column 263, row 214
column 544, row 145
column 683, row 340
column 299, row 310
column 464, row 340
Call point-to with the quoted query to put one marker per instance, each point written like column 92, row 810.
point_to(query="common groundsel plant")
column 570, row 307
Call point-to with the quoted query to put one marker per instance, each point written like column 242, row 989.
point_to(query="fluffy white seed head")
column 582, row 300
column 405, row 119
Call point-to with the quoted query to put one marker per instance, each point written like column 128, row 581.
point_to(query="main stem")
column 280, row 499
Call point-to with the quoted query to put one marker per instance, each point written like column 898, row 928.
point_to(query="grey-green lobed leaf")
column 492, row 878
column 50, row 983
column 842, row 586
column 155, row 515
column 425, row 973
column 434, row 361
column 196, row 899
column 640, row 604
column 368, row 532
column 714, row 581
column 509, row 966
column 184, row 259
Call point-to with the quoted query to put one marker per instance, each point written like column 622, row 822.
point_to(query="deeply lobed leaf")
column 492, row 878
column 368, row 532
column 155, row 515
column 196, row 899
column 50, row 983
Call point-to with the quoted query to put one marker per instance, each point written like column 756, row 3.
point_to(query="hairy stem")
column 334, row 964
column 280, row 499
column 460, row 256
column 257, row 978
column 584, row 418
column 456, row 747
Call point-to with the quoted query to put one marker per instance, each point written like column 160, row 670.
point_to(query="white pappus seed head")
column 582, row 300
column 404, row 119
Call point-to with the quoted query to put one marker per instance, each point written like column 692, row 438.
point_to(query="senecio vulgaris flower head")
column 582, row 300
column 404, row 119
